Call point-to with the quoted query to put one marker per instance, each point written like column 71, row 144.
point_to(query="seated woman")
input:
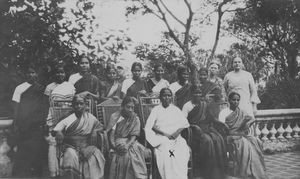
column 135, row 85
column 128, row 160
column 209, row 152
column 78, row 133
column 112, row 85
column 157, row 83
column 163, row 128
column 249, row 156
column 58, row 90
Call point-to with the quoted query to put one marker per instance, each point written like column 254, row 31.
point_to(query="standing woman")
column 157, row 83
column 213, row 77
column 181, row 88
column 163, row 132
column 242, row 82
column 128, row 161
column 112, row 85
column 248, row 149
column 135, row 85
column 31, row 107
column 85, row 82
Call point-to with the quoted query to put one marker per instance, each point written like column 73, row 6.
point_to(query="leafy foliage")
column 274, row 25
column 280, row 92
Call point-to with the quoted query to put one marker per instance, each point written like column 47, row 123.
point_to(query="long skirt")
column 131, row 165
column 74, row 165
column 172, row 159
column 209, row 155
column 31, row 155
column 249, row 156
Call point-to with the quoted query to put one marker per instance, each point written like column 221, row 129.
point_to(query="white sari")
column 172, row 156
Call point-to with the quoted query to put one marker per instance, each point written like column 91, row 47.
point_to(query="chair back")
column 146, row 104
column 106, row 109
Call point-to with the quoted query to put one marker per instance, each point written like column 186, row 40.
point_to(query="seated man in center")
column 78, row 133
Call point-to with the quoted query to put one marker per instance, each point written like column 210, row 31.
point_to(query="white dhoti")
column 172, row 159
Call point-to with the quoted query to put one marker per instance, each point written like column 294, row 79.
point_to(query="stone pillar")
column 5, row 162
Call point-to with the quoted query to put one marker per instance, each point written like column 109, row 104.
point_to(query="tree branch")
column 168, row 10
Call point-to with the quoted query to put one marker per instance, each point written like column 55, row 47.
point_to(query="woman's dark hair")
column 108, row 68
column 58, row 67
column 128, row 99
column 163, row 90
column 203, row 69
column 82, row 57
column 136, row 64
column 182, row 69
column 156, row 66
column 78, row 96
column 230, row 96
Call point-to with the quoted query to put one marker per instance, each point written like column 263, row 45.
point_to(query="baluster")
column 296, row 129
column 288, row 131
column 265, row 133
column 273, row 131
column 257, row 130
column 280, row 131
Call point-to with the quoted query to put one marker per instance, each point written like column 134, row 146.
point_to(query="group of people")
column 187, row 104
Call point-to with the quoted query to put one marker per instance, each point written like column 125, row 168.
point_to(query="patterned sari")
column 132, row 164
column 81, row 158
column 249, row 156
column 209, row 150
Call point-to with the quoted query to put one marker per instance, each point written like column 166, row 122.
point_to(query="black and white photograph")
column 150, row 89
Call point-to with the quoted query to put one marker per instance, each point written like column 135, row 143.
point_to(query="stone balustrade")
column 278, row 129
column 5, row 162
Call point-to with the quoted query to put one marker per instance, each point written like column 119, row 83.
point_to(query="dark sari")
column 132, row 164
column 211, row 91
column 209, row 150
column 137, row 86
column 31, row 117
column 183, row 95
column 249, row 156
column 89, row 83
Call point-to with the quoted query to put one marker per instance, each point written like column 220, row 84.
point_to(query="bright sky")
column 147, row 29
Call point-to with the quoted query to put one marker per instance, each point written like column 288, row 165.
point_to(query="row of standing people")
column 84, row 83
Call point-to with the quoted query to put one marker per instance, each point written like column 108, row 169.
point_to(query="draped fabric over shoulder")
column 81, row 158
column 183, row 95
column 132, row 164
column 31, row 118
column 112, row 89
column 249, row 156
column 156, row 86
column 211, row 90
column 137, row 86
column 209, row 150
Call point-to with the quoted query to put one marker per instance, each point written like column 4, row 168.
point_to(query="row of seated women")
column 82, row 159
